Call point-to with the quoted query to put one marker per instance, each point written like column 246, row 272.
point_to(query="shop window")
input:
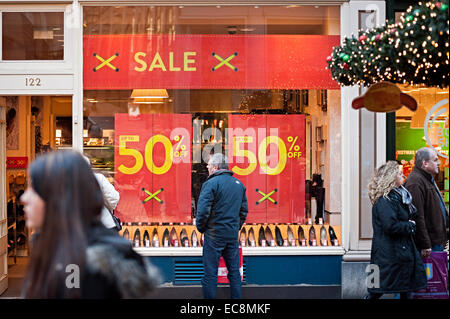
column 166, row 87
column 426, row 127
column 32, row 36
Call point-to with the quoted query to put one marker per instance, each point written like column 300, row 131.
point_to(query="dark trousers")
column 212, row 250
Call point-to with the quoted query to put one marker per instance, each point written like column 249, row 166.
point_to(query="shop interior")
column 34, row 125
column 211, row 107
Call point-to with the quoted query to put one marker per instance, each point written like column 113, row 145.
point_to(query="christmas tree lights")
column 413, row 51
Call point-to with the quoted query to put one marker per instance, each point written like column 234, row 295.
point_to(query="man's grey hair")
column 423, row 155
column 219, row 160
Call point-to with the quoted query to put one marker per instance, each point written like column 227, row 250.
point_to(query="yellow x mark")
column 267, row 196
column 106, row 62
column 224, row 61
column 153, row 196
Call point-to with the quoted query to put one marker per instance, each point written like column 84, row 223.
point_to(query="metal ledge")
column 246, row 251
column 357, row 255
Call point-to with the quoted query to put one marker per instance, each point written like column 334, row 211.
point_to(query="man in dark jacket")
column 432, row 216
column 221, row 211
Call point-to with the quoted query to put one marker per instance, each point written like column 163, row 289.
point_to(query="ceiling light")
column 150, row 93
column 148, row 101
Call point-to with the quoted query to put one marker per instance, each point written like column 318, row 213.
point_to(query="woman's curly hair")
column 383, row 181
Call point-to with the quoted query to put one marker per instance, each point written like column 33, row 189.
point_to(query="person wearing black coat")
column 394, row 252
column 221, row 211
column 74, row 256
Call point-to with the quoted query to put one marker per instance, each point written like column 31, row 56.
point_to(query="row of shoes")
column 246, row 237
column 169, row 239
column 266, row 238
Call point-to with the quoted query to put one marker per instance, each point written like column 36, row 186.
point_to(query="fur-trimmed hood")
column 113, row 258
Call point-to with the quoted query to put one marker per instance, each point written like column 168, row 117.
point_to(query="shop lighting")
column 149, row 94
column 148, row 101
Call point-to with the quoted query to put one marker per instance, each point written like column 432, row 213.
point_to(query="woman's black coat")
column 393, row 248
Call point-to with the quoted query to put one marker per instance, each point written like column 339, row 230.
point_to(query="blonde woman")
column 393, row 250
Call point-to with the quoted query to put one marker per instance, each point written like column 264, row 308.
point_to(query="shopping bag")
column 222, row 272
column 436, row 268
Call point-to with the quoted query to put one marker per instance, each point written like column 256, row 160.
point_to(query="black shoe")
column 261, row 236
column 137, row 238
column 166, row 238
column 146, row 239
column 333, row 239
column 301, row 236
column 251, row 238
column 278, row 236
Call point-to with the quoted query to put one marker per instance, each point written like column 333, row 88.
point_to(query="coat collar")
column 220, row 172
column 427, row 175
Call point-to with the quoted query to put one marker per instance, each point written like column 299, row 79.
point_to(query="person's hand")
column 425, row 253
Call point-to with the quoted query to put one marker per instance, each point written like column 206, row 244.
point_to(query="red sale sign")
column 210, row 61
column 267, row 153
column 153, row 169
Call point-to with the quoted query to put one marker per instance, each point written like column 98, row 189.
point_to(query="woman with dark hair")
column 393, row 250
column 74, row 255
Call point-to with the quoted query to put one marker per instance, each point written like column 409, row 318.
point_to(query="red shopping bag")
column 223, row 271
column 436, row 268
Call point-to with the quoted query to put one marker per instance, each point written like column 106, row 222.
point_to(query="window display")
column 169, row 88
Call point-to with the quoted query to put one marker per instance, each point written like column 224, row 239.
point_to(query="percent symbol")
column 293, row 140
column 179, row 139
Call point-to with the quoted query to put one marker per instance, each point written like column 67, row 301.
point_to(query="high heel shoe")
column 174, row 241
column 312, row 237
column 251, row 238
column 155, row 238
column 261, row 237
column 323, row 236
column 333, row 238
column 291, row 237
column 269, row 237
column 126, row 234
column 194, row 239
column 166, row 238
column 301, row 236
column 184, row 238
column 146, row 239
column 137, row 238
column 279, row 237
column 243, row 237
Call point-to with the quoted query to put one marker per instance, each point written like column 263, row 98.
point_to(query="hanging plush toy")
column 384, row 97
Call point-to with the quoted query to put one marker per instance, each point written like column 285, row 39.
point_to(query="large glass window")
column 33, row 36
column 426, row 127
column 166, row 87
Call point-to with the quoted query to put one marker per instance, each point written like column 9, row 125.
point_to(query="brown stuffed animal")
column 384, row 97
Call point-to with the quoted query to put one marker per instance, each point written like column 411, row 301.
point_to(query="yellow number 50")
column 123, row 150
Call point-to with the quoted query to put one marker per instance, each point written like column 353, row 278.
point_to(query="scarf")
column 407, row 200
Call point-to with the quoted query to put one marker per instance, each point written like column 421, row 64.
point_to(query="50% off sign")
column 176, row 152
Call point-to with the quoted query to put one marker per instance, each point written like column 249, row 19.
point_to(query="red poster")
column 208, row 61
column 268, row 156
column 153, row 169
column 16, row 162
